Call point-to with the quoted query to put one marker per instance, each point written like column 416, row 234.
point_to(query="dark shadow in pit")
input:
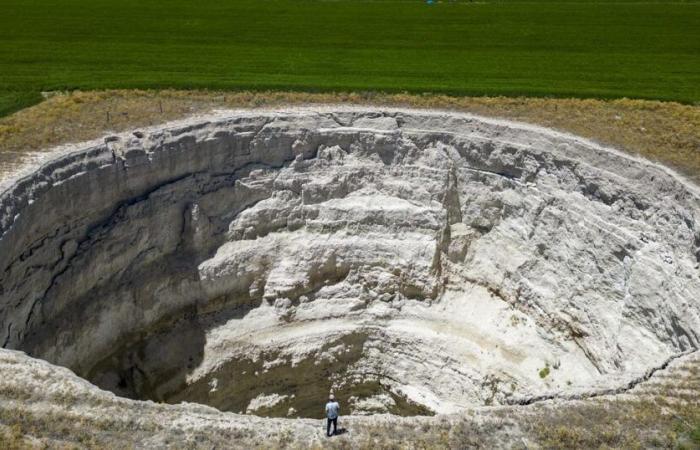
column 156, row 368
column 296, row 389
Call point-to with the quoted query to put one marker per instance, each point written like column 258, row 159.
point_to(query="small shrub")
column 514, row 320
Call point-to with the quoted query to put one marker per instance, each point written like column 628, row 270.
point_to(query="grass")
column 11, row 101
column 596, row 49
column 618, row 424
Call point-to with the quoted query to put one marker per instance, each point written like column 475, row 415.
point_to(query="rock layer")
column 412, row 261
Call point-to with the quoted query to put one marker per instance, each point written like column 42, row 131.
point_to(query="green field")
column 578, row 49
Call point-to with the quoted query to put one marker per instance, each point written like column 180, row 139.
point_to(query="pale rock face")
column 412, row 262
column 263, row 401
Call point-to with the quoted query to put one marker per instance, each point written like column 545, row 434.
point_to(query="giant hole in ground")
column 411, row 262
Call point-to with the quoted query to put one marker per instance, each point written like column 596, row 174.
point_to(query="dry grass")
column 662, row 131
column 629, row 423
column 663, row 415
column 13, row 438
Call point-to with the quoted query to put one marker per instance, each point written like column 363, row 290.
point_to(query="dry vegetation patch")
column 662, row 131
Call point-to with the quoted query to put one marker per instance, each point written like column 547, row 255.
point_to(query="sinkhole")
column 411, row 262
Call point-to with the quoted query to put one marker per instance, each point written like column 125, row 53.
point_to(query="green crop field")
column 546, row 48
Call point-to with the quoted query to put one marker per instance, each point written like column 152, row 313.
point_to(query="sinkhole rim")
column 402, row 110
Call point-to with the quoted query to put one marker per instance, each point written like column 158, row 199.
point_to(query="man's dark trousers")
column 335, row 426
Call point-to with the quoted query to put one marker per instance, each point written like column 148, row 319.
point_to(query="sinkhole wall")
column 413, row 261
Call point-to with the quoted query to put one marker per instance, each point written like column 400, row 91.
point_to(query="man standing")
column 332, row 410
